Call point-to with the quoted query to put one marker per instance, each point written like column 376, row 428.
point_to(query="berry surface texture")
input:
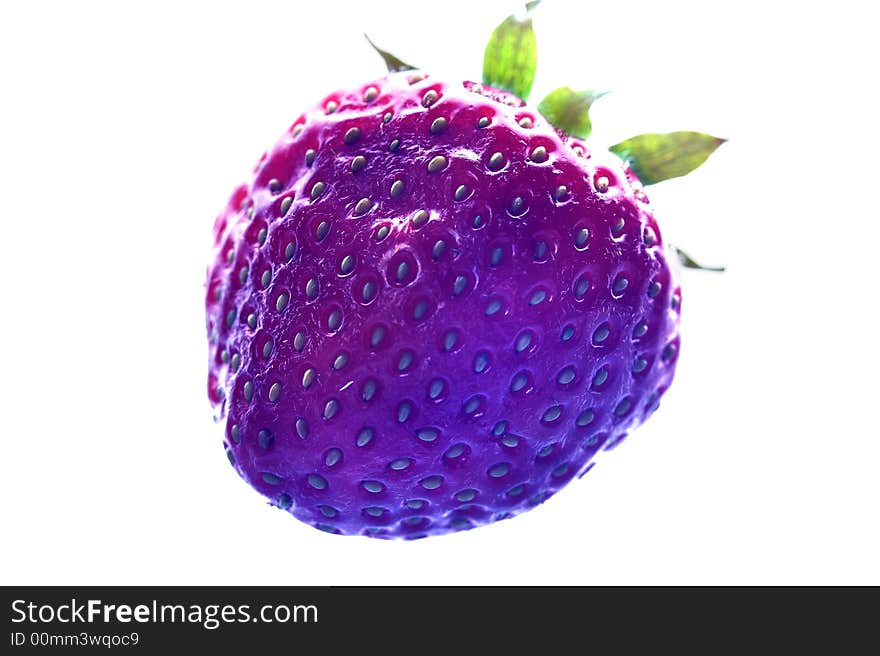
column 429, row 309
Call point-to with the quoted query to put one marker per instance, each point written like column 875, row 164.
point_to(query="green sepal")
column 394, row 64
column 690, row 263
column 569, row 110
column 657, row 157
column 511, row 55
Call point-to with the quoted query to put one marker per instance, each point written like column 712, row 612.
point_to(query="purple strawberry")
column 429, row 310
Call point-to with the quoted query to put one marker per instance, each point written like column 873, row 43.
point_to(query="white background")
column 126, row 125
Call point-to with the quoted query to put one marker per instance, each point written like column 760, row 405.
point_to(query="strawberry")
column 430, row 308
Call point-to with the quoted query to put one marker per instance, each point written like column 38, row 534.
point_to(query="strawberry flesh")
column 429, row 311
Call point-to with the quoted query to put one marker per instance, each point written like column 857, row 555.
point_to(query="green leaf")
column 690, row 263
column 393, row 63
column 657, row 157
column 512, row 55
column 569, row 110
